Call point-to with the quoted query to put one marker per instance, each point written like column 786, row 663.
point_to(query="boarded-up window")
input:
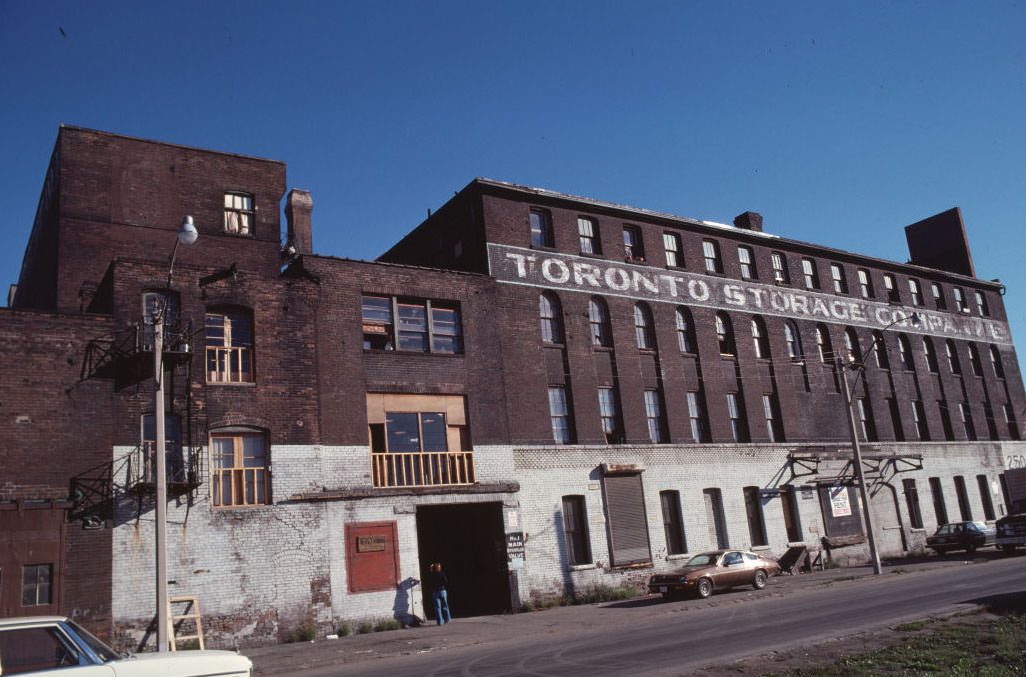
column 628, row 526
column 372, row 556
column 575, row 526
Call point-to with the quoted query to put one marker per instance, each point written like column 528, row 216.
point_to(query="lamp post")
column 186, row 235
column 855, row 450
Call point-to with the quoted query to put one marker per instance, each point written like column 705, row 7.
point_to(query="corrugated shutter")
column 628, row 525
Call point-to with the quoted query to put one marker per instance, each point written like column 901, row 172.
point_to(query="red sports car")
column 715, row 570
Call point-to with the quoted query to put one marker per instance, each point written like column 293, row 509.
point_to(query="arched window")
column 930, row 354
column 826, row 350
column 685, row 334
column 643, row 330
column 551, row 318
column 995, row 362
column 793, row 340
column 759, row 339
column 880, row 350
column 952, row 353
column 598, row 317
column 905, row 352
column 853, row 353
column 725, row 335
column 974, row 360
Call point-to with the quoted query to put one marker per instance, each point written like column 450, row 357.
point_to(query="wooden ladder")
column 190, row 612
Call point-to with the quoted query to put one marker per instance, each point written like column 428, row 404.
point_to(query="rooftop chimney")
column 749, row 221
column 297, row 213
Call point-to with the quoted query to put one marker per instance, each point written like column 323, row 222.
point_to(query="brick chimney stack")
column 749, row 221
column 298, row 209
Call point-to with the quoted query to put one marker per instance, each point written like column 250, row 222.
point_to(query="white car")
column 54, row 645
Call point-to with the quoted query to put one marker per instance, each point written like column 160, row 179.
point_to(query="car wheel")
column 759, row 581
column 704, row 588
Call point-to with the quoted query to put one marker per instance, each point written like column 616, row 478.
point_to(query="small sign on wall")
column 375, row 543
column 840, row 506
column 515, row 550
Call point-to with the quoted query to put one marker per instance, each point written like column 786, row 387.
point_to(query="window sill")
column 382, row 351
column 598, row 255
column 234, row 384
column 761, row 548
column 581, row 567
column 672, row 558
column 602, row 349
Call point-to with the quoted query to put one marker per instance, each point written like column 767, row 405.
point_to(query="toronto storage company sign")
column 562, row 272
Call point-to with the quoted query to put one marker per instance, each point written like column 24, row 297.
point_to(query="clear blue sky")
column 839, row 122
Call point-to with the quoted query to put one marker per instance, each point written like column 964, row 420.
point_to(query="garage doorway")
column 469, row 541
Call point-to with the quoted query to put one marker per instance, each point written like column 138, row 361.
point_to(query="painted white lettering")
column 800, row 304
column 820, row 308
column 519, row 260
column 756, row 295
column 857, row 312
column 733, row 295
column 586, row 272
column 839, row 309
column 561, row 268
column 671, row 281
column 617, row 279
column 650, row 285
column 698, row 290
column 779, row 301
column 881, row 316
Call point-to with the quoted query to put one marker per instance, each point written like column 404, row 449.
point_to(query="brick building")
column 544, row 392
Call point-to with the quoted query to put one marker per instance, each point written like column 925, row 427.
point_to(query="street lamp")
column 856, row 451
column 187, row 234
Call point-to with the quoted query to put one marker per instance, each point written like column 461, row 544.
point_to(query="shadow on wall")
column 403, row 608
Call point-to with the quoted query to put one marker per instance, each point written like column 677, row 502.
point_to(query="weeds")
column 591, row 595
column 983, row 647
column 304, row 633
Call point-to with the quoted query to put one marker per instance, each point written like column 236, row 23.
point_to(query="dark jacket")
column 438, row 580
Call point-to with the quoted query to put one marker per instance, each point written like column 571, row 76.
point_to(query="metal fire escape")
column 127, row 358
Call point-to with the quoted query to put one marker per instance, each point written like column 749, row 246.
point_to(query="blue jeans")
column 441, row 607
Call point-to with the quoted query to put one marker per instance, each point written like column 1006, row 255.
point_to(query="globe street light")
column 187, row 234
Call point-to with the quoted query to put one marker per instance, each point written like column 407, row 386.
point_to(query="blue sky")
column 839, row 122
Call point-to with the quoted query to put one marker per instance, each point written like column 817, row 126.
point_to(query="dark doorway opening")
column 469, row 542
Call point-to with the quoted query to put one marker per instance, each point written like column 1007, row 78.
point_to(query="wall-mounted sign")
column 515, row 550
column 840, row 506
column 372, row 543
column 551, row 270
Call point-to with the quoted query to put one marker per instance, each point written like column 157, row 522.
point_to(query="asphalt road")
column 652, row 637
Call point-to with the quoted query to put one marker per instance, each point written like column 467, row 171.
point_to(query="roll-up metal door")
column 628, row 524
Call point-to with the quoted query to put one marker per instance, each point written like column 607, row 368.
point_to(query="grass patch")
column 983, row 647
column 366, row 627
column 345, row 629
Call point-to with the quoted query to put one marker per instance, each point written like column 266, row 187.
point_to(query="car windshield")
column 704, row 559
column 105, row 653
column 978, row 526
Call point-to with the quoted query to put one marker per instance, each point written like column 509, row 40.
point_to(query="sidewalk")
column 295, row 658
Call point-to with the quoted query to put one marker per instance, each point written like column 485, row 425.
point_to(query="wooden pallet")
column 190, row 612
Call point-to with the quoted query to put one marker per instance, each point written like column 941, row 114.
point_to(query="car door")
column 734, row 570
column 45, row 650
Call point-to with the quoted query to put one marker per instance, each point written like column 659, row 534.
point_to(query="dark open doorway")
column 469, row 541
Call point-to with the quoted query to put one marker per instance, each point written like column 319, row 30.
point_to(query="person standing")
column 439, row 583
